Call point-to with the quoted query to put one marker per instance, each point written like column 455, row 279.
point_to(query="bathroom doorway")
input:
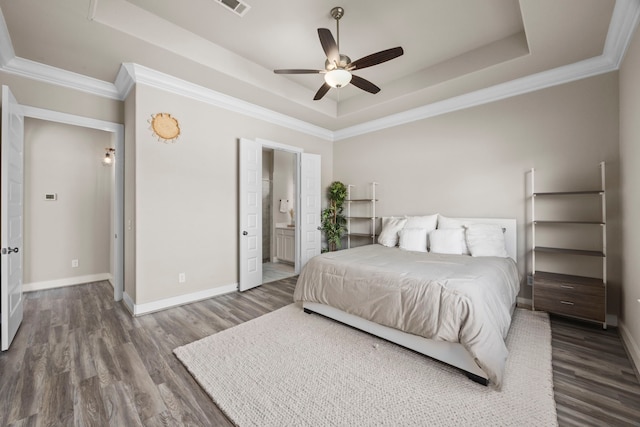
column 278, row 214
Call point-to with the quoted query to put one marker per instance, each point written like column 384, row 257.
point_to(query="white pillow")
column 449, row 223
column 427, row 222
column 390, row 227
column 447, row 241
column 486, row 240
column 413, row 239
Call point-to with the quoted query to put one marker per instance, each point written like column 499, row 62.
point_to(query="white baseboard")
column 69, row 281
column 163, row 304
column 524, row 301
column 633, row 348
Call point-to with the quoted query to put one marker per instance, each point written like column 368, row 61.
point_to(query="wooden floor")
column 81, row 359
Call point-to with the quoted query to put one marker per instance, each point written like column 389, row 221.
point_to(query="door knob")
column 244, row 233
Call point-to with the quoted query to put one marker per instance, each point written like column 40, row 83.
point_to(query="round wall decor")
column 165, row 127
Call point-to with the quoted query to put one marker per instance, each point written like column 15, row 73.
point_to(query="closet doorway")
column 278, row 214
column 109, row 135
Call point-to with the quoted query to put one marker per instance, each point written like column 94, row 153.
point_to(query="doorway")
column 307, row 195
column 68, row 205
column 278, row 214
column 116, row 140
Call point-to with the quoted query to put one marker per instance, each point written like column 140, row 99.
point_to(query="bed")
column 453, row 308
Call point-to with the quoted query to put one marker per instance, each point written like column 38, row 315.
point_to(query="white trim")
column 624, row 21
column 153, row 78
column 611, row 320
column 72, row 119
column 57, row 76
column 125, row 80
column 633, row 348
column 163, row 304
column 69, row 281
column 128, row 302
column 524, row 301
column 621, row 29
column 279, row 146
column 557, row 76
column 6, row 46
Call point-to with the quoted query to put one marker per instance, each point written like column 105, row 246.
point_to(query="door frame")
column 296, row 180
column 117, row 130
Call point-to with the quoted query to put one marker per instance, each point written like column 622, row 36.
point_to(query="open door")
column 250, row 207
column 309, row 220
column 11, row 199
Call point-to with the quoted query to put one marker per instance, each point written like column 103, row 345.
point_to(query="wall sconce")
column 109, row 156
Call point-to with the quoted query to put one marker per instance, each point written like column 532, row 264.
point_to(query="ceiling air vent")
column 237, row 7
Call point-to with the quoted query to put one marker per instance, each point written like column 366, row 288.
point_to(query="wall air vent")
column 238, row 7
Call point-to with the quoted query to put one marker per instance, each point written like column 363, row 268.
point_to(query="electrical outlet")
column 530, row 280
column 182, row 277
column 74, row 263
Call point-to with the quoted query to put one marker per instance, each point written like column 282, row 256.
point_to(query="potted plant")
column 333, row 221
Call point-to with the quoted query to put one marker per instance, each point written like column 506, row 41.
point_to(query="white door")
column 309, row 220
column 250, row 214
column 11, row 216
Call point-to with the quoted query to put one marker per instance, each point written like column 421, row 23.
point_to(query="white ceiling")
column 451, row 47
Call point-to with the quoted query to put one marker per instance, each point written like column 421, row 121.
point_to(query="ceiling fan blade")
column 322, row 91
column 294, row 71
column 364, row 84
column 329, row 45
column 376, row 58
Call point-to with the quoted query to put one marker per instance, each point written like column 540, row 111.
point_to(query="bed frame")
column 453, row 354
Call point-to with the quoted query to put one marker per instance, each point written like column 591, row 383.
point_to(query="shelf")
column 568, row 278
column 569, row 251
column 581, row 297
column 568, row 222
column 364, row 211
column 570, row 193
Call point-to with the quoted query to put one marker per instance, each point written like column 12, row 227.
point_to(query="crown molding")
column 140, row 74
column 577, row 71
column 624, row 22
column 6, row 46
column 59, row 77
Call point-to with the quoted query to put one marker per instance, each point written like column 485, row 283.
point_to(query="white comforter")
column 454, row 298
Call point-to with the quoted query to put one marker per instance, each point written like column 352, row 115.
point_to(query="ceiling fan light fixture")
column 337, row 78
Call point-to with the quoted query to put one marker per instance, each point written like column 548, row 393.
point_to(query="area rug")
column 292, row 368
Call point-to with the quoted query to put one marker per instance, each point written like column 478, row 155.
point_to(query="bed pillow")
column 413, row 239
column 452, row 223
column 447, row 241
column 427, row 222
column 391, row 225
column 486, row 240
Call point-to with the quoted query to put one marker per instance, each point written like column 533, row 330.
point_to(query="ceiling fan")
column 338, row 67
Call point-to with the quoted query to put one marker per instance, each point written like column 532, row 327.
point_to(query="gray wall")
column 630, row 190
column 474, row 162
column 185, row 208
column 66, row 160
